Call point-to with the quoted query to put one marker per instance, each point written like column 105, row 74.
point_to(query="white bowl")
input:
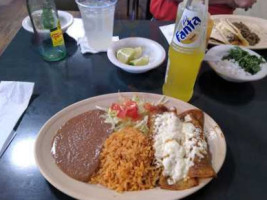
column 151, row 48
column 215, row 55
column 65, row 18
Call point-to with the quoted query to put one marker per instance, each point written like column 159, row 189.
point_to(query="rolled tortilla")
column 202, row 167
column 180, row 185
column 228, row 33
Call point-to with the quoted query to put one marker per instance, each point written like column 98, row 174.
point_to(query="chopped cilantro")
column 250, row 63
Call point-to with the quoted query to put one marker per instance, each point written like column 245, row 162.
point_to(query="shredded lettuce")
column 140, row 103
column 142, row 125
column 117, row 123
column 162, row 100
column 102, row 108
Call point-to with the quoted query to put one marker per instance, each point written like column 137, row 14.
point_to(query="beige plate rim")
column 80, row 190
column 242, row 18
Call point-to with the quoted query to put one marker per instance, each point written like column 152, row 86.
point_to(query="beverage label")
column 188, row 32
column 57, row 36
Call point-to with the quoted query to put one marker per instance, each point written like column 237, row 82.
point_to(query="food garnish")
column 132, row 56
column 125, row 55
column 137, row 52
column 250, row 63
column 144, row 60
column 129, row 112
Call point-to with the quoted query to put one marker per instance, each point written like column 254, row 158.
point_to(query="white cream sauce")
column 176, row 145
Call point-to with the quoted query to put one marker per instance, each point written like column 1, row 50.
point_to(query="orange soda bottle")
column 186, row 50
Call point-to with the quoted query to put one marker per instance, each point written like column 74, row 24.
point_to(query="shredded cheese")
column 176, row 145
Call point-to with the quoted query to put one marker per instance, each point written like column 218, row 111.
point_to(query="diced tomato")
column 130, row 103
column 131, row 108
column 121, row 114
column 128, row 109
column 116, row 107
column 132, row 112
column 119, row 109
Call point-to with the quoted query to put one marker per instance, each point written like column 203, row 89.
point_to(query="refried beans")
column 77, row 144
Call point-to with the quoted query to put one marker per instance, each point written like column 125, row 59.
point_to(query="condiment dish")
column 65, row 18
column 229, row 70
column 150, row 48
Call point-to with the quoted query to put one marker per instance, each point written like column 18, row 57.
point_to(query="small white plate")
column 219, row 66
column 86, row 191
column 151, row 48
column 65, row 18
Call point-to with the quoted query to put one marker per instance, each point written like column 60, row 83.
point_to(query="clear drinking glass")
column 98, row 21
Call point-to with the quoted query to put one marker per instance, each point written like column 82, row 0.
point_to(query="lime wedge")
column 137, row 52
column 144, row 60
column 124, row 55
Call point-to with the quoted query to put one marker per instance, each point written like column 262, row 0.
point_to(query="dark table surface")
column 240, row 110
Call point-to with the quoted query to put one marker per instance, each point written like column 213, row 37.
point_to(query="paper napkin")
column 14, row 99
column 86, row 48
column 167, row 31
column 76, row 31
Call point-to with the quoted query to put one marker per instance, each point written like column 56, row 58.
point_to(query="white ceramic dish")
column 65, row 18
column 151, row 48
column 257, row 25
column 80, row 190
column 218, row 52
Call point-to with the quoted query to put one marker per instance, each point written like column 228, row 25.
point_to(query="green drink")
column 47, row 31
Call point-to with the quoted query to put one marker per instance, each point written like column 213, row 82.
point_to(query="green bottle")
column 47, row 31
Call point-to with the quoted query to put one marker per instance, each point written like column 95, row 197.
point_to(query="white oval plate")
column 219, row 51
column 151, row 48
column 85, row 191
column 65, row 18
column 257, row 25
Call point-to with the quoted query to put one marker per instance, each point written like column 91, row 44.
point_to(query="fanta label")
column 188, row 32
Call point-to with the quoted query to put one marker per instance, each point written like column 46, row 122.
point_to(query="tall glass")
column 98, row 22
